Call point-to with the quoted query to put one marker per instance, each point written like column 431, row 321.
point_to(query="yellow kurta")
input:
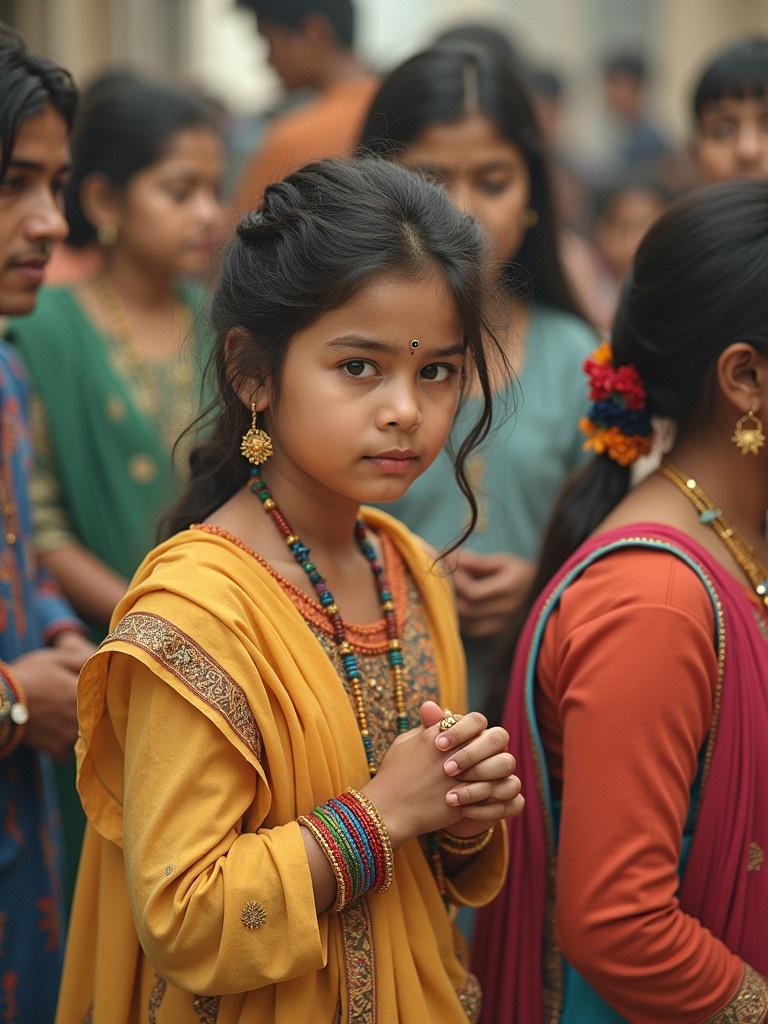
column 210, row 719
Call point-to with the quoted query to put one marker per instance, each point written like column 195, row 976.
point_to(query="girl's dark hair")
column 699, row 283
column 448, row 83
column 737, row 72
column 124, row 125
column 27, row 85
column 319, row 237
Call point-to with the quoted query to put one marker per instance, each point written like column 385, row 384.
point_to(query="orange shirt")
column 326, row 126
column 627, row 673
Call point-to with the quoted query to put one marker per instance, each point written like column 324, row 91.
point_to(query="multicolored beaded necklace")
column 348, row 658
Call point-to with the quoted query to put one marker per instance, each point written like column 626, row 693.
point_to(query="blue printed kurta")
column 31, row 611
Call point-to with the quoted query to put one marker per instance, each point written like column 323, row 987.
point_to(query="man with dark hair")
column 625, row 80
column 41, row 644
column 310, row 47
column 730, row 109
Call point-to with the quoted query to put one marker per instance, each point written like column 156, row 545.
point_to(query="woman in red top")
column 641, row 677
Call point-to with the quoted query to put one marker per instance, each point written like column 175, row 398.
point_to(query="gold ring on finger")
column 448, row 721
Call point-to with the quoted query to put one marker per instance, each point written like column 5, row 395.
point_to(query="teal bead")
column 709, row 515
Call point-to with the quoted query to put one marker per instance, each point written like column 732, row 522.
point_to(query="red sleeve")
column 632, row 670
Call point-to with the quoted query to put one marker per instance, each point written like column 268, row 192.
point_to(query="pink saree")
column 519, row 967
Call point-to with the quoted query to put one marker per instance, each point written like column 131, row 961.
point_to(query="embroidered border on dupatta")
column 359, row 964
column 185, row 658
column 748, row 1006
column 552, row 964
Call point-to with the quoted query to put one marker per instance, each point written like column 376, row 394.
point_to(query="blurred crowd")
column 115, row 343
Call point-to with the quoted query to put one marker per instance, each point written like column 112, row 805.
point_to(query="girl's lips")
column 393, row 462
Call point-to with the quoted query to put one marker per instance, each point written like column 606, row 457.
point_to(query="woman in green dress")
column 116, row 361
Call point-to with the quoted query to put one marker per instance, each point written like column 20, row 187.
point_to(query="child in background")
column 282, row 809
column 730, row 109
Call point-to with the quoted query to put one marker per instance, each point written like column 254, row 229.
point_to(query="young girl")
column 281, row 806
column 642, row 672
column 460, row 115
column 105, row 356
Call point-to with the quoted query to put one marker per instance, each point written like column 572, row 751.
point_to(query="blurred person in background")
column 730, row 109
column 640, row 143
column 311, row 46
column 116, row 360
column 41, row 643
column 623, row 214
column 462, row 116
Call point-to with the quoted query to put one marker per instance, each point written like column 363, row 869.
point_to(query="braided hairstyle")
column 319, row 237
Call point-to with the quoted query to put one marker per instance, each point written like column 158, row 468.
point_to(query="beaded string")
column 349, row 662
column 710, row 515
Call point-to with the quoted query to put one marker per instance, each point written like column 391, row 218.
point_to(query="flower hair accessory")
column 618, row 424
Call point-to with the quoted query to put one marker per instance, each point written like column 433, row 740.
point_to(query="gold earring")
column 748, row 435
column 256, row 445
column 530, row 218
column 106, row 235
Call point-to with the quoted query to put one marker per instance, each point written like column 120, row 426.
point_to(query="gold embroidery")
column 115, row 408
column 156, row 997
column 749, row 1005
column 142, row 468
column 471, row 998
column 207, row 1008
column 253, row 915
column 756, row 857
column 181, row 655
column 359, row 963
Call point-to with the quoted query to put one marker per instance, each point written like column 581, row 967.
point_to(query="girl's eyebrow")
column 354, row 341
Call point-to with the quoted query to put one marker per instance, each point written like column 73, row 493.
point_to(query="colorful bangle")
column 464, row 846
column 381, row 833
column 353, row 837
column 13, row 711
column 332, row 856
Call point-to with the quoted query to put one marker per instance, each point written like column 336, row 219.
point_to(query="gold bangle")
column 386, row 842
column 464, row 846
column 330, row 855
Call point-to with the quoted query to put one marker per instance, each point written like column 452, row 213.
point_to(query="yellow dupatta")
column 223, row 721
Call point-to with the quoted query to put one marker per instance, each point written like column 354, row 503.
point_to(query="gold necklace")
column 710, row 515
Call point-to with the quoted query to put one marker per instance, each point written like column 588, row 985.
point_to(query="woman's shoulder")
column 565, row 331
column 630, row 577
column 56, row 316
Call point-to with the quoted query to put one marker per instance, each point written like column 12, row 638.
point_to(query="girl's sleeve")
column 635, row 687
column 219, row 907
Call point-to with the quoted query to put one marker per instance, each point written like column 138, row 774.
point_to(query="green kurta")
column 111, row 422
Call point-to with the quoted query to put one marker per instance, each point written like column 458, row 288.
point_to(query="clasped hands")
column 461, row 779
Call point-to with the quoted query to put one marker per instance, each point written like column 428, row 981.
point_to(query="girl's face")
column 170, row 215
column 363, row 411
column 483, row 174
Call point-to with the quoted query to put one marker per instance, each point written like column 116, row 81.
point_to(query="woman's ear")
column 100, row 203
column 252, row 391
column 742, row 374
